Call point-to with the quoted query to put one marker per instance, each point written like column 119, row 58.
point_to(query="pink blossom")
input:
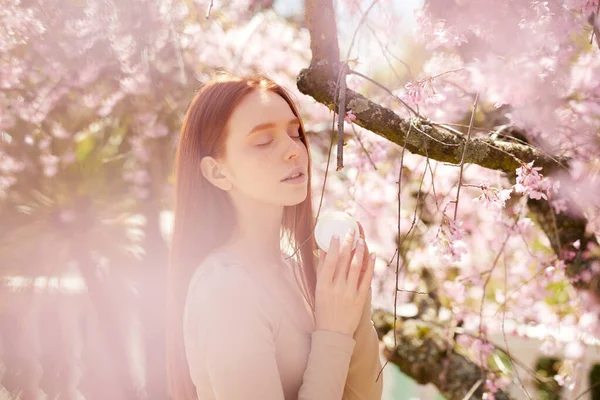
column 494, row 383
column 60, row 132
column 9, row 165
column 437, row 33
column 483, row 349
column 349, row 117
column 422, row 91
column 560, row 205
column 492, row 198
column 488, row 396
column 548, row 347
column 464, row 341
column 530, row 182
column 589, row 322
column 50, row 164
column 574, row 350
column 414, row 93
column 455, row 290
column 587, row 6
column 448, row 240
column 490, row 385
column 435, row 99
column 68, row 157
column 523, row 225
column 5, row 183
column 7, row 121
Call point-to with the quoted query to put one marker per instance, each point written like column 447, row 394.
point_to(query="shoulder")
column 222, row 293
column 222, row 287
column 220, row 279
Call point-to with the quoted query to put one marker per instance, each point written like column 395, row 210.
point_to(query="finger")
column 361, row 233
column 320, row 254
column 365, row 283
column 365, row 262
column 356, row 265
column 366, row 252
column 344, row 257
column 330, row 260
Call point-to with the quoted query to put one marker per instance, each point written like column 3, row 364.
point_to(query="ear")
column 214, row 172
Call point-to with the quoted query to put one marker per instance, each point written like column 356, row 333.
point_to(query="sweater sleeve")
column 365, row 379
column 238, row 347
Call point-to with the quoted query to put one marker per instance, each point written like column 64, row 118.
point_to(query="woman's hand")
column 343, row 282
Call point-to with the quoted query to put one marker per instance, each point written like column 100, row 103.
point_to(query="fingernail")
column 335, row 237
column 361, row 242
column 373, row 255
column 351, row 232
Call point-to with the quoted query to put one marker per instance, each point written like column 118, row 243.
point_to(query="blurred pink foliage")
column 75, row 72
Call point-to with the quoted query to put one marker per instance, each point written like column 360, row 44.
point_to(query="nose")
column 294, row 149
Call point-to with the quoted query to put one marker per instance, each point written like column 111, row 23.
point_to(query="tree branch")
column 423, row 353
column 318, row 81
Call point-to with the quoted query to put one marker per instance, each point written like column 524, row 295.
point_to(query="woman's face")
column 263, row 148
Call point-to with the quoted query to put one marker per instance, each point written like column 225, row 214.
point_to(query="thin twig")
column 363, row 147
column 341, row 113
column 360, row 23
column 473, row 389
column 341, row 89
column 399, row 243
column 504, row 330
column 487, row 281
column 436, row 140
column 373, row 81
column 462, row 160
column 209, row 9
column 595, row 32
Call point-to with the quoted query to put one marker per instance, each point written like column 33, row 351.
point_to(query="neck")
column 257, row 238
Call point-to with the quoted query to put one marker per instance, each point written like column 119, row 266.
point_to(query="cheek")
column 256, row 172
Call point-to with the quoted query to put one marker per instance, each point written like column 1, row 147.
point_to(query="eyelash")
column 269, row 142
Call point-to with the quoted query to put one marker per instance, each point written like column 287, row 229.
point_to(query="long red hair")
column 204, row 215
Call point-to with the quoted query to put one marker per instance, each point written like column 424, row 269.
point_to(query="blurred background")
column 92, row 96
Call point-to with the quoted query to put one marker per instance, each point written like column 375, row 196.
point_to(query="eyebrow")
column 270, row 125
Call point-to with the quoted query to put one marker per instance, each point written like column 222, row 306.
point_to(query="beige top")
column 250, row 334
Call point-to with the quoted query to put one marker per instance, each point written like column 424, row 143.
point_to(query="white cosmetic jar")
column 335, row 223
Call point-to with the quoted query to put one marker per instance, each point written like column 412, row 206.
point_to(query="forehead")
column 259, row 107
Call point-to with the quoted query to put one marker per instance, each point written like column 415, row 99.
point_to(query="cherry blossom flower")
column 559, row 205
column 448, row 240
column 349, row 117
column 492, row 198
column 531, row 183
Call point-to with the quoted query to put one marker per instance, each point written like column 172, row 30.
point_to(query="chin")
column 295, row 200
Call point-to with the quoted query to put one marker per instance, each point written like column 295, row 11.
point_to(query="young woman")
column 246, row 321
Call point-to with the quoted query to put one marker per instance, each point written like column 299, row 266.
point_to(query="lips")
column 296, row 172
